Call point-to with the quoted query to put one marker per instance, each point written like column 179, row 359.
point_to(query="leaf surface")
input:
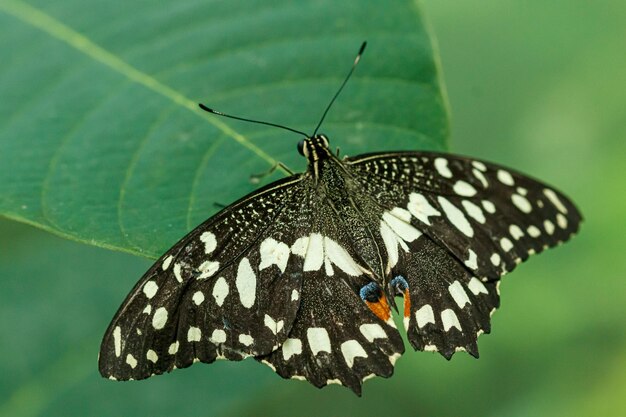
column 101, row 137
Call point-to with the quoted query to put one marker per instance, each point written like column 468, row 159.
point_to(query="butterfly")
column 303, row 274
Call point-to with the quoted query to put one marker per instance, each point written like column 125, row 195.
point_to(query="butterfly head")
column 315, row 148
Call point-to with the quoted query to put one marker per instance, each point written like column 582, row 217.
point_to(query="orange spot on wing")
column 407, row 303
column 380, row 308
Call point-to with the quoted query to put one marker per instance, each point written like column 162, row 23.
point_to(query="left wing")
column 343, row 332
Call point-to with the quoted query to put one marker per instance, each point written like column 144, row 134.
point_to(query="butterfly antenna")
column 356, row 61
column 219, row 113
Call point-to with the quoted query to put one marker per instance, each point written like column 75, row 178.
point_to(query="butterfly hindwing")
column 336, row 338
column 446, row 307
column 219, row 292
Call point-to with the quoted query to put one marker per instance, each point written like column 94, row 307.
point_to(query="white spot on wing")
column 173, row 349
column 372, row 331
column 449, row 319
column 295, row 295
column 117, row 340
column 160, row 318
column 314, row 257
column 441, row 165
column 246, row 283
column 464, row 189
column 328, row 267
column 152, row 356
column 481, row 177
column 472, row 262
column 548, row 226
column 402, row 214
column 351, row 349
column 390, row 240
column 474, row 211
column 177, row 274
column 521, row 203
column 130, row 359
column 291, row 347
column 458, row 293
column 505, row 177
column 561, row 220
column 246, row 339
column 194, row 334
column 479, row 165
column 166, row 262
column 300, row 246
column 198, row 298
column 516, row 232
column 218, row 336
column 506, row 244
column 495, row 259
column 209, row 241
column 274, row 326
column 274, row 253
column 533, row 231
column 554, row 199
column 341, row 258
column 489, row 206
column 208, row 269
column 318, row 340
column 150, row 289
column 220, row 291
column 477, row 287
column 404, row 230
column 420, row 208
column 456, row 217
column 424, row 315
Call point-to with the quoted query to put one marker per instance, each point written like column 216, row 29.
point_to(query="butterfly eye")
column 301, row 147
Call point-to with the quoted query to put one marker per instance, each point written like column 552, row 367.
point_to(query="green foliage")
column 104, row 142
column 538, row 86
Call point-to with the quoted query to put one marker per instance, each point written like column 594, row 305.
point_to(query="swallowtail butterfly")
column 303, row 273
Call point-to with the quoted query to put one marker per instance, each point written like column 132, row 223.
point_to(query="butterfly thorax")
column 315, row 150
column 342, row 198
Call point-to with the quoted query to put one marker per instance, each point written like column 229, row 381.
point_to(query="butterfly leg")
column 256, row 178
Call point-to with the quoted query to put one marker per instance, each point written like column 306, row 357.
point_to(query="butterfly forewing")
column 225, row 290
column 489, row 217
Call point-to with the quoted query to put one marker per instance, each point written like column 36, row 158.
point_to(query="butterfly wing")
column 336, row 338
column 489, row 217
column 470, row 222
column 446, row 306
column 219, row 292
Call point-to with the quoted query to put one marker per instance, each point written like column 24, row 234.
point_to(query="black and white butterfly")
column 303, row 273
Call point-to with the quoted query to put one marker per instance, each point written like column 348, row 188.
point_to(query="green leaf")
column 100, row 134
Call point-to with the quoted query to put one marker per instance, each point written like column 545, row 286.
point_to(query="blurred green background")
column 540, row 86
